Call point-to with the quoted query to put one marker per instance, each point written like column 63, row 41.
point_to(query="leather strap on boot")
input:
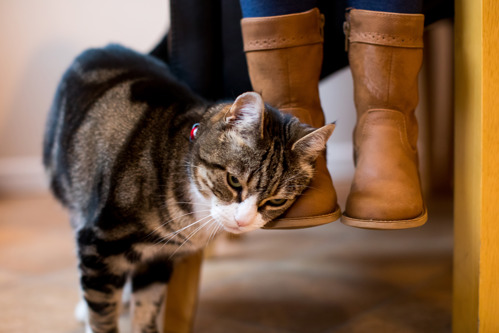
column 381, row 28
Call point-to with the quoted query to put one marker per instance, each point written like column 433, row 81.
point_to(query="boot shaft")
column 284, row 55
column 385, row 55
column 385, row 52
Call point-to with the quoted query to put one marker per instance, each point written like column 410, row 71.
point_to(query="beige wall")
column 38, row 40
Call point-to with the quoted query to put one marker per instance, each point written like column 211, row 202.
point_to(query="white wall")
column 39, row 39
column 336, row 93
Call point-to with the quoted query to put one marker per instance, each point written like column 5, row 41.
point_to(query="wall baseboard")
column 25, row 174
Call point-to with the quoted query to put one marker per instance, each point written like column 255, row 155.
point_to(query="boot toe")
column 377, row 211
column 316, row 206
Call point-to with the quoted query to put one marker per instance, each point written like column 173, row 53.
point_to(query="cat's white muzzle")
column 238, row 217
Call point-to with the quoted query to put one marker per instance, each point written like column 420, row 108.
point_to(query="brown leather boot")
column 385, row 51
column 284, row 55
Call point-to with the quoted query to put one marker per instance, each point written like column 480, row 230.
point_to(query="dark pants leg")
column 394, row 6
column 262, row 8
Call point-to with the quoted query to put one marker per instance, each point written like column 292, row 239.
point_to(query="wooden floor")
column 325, row 279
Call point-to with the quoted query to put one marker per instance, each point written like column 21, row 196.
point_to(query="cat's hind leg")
column 102, row 293
column 81, row 309
column 148, row 295
column 102, row 279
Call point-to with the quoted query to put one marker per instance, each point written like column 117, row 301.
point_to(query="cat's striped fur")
column 140, row 194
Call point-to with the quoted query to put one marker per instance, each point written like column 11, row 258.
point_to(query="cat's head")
column 251, row 162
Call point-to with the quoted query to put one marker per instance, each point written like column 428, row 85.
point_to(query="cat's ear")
column 312, row 144
column 247, row 112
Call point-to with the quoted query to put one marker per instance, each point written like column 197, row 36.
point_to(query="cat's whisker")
column 191, row 235
column 172, row 220
column 170, row 236
column 214, row 232
column 211, row 233
column 220, row 227
column 184, row 202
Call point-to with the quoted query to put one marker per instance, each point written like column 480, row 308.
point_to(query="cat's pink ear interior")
column 247, row 111
column 314, row 142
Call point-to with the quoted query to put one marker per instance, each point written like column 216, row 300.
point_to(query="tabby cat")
column 144, row 187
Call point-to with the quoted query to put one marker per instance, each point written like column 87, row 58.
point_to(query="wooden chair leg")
column 182, row 295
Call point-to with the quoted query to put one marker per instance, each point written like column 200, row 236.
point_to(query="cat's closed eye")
column 234, row 182
column 277, row 202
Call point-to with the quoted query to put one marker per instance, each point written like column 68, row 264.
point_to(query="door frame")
column 476, row 198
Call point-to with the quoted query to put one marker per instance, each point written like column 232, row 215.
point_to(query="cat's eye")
column 277, row 202
column 234, row 182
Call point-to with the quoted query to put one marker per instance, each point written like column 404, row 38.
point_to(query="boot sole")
column 304, row 222
column 387, row 224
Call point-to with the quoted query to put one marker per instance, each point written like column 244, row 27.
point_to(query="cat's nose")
column 243, row 221
column 246, row 212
